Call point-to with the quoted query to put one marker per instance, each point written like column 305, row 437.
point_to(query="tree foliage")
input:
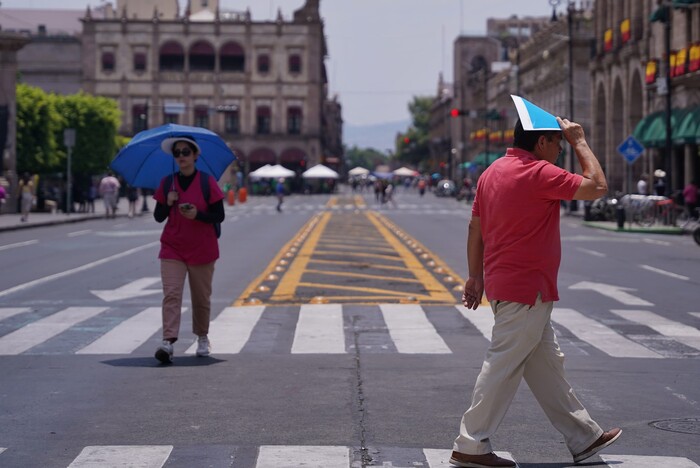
column 412, row 145
column 368, row 158
column 41, row 120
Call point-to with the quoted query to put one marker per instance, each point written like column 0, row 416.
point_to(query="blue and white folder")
column 533, row 117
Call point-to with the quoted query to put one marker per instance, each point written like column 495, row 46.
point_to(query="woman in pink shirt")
column 189, row 245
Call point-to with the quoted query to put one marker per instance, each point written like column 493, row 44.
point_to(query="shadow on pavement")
column 185, row 361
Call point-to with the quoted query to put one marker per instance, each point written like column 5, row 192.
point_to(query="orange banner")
column 608, row 40
column 496, row 137
column 625, row 30
column 508, row 136
column 681, row 62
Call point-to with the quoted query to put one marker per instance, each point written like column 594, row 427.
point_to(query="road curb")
column 641, row 230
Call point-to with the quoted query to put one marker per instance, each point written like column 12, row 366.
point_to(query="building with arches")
column 261, row 85
column 629, row 89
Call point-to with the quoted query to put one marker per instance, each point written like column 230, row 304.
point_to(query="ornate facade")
column 261, row 85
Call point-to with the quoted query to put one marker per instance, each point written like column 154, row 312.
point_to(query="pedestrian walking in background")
column 642, row 186
column 109, row 191
column 660, row 184
column 91, row 196
column 132, row 195
column 279, row 191
column 690, row 197
column 3, row 197
column 26, row 195
column 514, row 252
column 189, row 245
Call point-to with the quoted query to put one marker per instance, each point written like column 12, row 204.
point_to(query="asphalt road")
column 79, row 324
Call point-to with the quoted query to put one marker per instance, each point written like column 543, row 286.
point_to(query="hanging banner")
column 652, row 70
column 694, row 62
column 625, row 30
column 681, row 60
column 608, row 40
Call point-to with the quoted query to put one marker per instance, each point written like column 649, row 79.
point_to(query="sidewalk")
column 628, row 227
column 12, row 221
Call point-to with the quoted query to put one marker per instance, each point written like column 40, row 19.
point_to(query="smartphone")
column 186, row 206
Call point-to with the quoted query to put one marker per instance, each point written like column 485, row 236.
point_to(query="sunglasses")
column 183, row 152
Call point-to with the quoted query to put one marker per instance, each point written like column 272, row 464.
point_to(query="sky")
column 381, row 53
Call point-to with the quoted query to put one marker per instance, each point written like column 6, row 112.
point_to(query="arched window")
column 171, row 57
column 292, row 155
column 261, row 156
column 263, row 64
column 294, row 118
column 202, row 57
column 108, row 61
column 263, row 120
column 231, row 57
column 295, row 63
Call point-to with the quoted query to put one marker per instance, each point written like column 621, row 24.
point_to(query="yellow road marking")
column 360, row 201
column 359, row 254
column 353, row 247
column 431, row 283
column 375, row 290
column 252, row 287
column 333, row 201
column 363, row 275
column 285, row 290
column 374, row 266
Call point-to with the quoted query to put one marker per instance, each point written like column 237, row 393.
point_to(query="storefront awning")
column 651, row 130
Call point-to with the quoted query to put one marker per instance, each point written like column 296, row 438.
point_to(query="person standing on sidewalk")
column 188, row 245
column 514, row 251
column 109, row 191
column 26, row 195
column 279, row 190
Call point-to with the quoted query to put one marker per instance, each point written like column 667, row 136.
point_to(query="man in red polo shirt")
column 514, row 253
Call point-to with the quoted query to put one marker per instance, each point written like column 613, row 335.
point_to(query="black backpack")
column 204, row 182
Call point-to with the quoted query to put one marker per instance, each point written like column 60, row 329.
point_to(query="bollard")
column 242, row 194
column 231, row 196
column 620, row 216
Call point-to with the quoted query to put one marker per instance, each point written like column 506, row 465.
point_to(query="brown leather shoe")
column 479, row 461
column 603, row 441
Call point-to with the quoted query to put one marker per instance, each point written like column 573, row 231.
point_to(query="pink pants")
column 173, row 274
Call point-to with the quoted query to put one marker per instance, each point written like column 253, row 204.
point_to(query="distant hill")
column 379, row 136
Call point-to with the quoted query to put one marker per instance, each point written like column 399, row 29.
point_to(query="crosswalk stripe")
column 43, row 329
column 598, row 335
column 411, row 330
column 291, row 456
column 481, row 318
column 647, row 461
column 7, row 312
column 695, row 314
column 231, row 329
column 138, row 456
column 2, row 449
column 128, row 335
column 677, row 331
column 319, row 330
column 441, row 457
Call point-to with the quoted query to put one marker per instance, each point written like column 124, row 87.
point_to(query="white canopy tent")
column 271, row 172
column 319, row 171
column 358, row 171
column 405, row 172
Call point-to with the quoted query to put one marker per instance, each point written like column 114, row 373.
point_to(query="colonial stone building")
column 260, row 85
column 630, row 91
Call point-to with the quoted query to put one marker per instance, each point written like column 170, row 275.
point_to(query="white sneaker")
column 203, row 346
column 164, row 353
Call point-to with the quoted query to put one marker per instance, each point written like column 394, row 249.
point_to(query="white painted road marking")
column 291, row 456
column 130, row 290
column 617, row 293
column 37, row 332
column 664, row 272
column 319, row 330
column 87, row 266
column 18, row 244
column 7, row 312
column 411, row 330
column 680, row 332
column 646, row 461
column 481, row 318
column 231, row 329
column 441, row 458
column 600, row 336
column 137, row 456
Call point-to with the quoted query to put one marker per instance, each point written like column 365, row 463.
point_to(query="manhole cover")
column 682, row 425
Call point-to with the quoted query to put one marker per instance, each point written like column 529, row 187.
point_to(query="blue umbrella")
column 142, row 163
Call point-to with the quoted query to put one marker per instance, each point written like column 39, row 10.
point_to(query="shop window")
column 232, row 122
column 263, row 64
column 139, row 118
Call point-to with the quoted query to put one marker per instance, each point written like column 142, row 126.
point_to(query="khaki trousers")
column 173, row 274
column 523, row 345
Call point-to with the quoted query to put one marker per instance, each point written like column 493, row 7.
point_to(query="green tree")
column 96, row 121
column 37, row 123
column 412, row 145
column 368, row 158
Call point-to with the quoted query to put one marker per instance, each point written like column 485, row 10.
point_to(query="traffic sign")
column 630, row 149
